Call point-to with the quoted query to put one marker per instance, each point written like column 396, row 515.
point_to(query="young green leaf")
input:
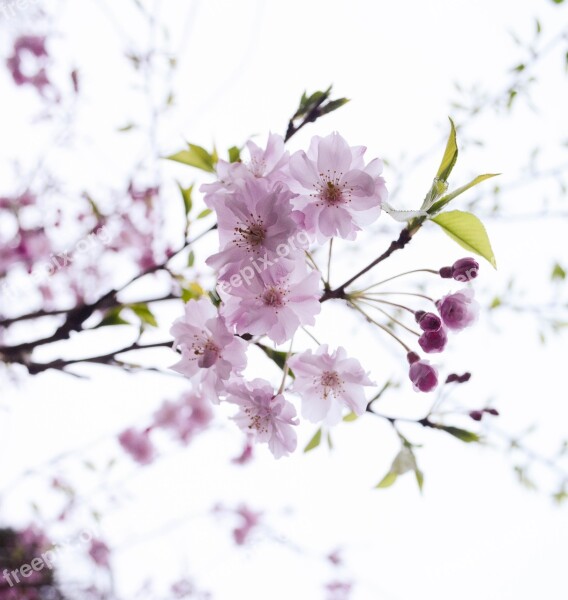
column 468, row 231
column 234, row 154
column 350, row 417
column 314, row 442
column 462, row 434
column 112, row 317
column 558, row 272
column 387, row 480
column 142, row 311
column 277, row 356
column 450, row 155
column 437, row 206
column 204, row 213
column 195, row 156
column 186, row 195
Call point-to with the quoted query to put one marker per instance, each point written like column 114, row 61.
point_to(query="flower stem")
column 379, row 325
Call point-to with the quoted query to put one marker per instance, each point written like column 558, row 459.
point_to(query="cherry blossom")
column 269, row 163
column 186, row 417
column 266, row 415
column 337, row 192
column 138, row 445
column 274, row 303
column 256, row 222
column 206, row 344
column 327, row 383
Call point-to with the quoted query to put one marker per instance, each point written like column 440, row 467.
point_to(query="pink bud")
column 433, row 341
column 458, row 310
column 423, row 375
column 428, row 321
column 465, row 269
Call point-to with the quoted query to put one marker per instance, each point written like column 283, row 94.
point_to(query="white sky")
column 475, row 533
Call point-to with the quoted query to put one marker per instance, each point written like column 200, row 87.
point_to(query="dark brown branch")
column 104, row 359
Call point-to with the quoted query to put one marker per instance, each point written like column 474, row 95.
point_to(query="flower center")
column 259, row 422
column 251, row 234
column 273, row 296
column 205, row 351
column 257, row 166
column 331, row 190
column 331, row 383
column 332, row 193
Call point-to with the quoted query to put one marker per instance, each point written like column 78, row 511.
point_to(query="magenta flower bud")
column 455, row 378
column 476, row 415
column 458, row 310
column 423, row 375
column 412, row 357
column 491, row 411
column 465, row 269
column 433, row 341
column 428, row 321
column 446, row 272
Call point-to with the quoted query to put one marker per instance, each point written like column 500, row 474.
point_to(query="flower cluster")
column 182, row 419
column 456, row 312
column 270, row 210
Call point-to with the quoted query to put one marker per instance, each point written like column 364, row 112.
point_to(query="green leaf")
column 462, row 434
column 437, row 206
column 277, row 356
column 314, row 442
column 192, row 291
column 350, row 417
column 333, row 105
column 387, row 480
column 186, row 195
column 191, row 259
column 450, row 155
column 204, row 213
column 126, row 127
column 195, row 156
column 142, row 311
column 468, row 231
column 112, row 317
column 234, row 154
column 419, row 478
column 558, row 272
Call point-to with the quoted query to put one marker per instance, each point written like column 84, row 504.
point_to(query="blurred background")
column 95, row 94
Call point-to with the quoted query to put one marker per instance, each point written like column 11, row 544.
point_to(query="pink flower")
column 423, row 375
column 327, row 383
column 207, row 346
column 33, row 46
column 274, row 303
column 268, row 163
column 337, row 192
column 100, row 553
column 269, row 417
column 250, row 520
column 247, row 453
column 256, row 224
column 138, row 445
column 339, row 590
column 187, row 417
column 458, row 310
